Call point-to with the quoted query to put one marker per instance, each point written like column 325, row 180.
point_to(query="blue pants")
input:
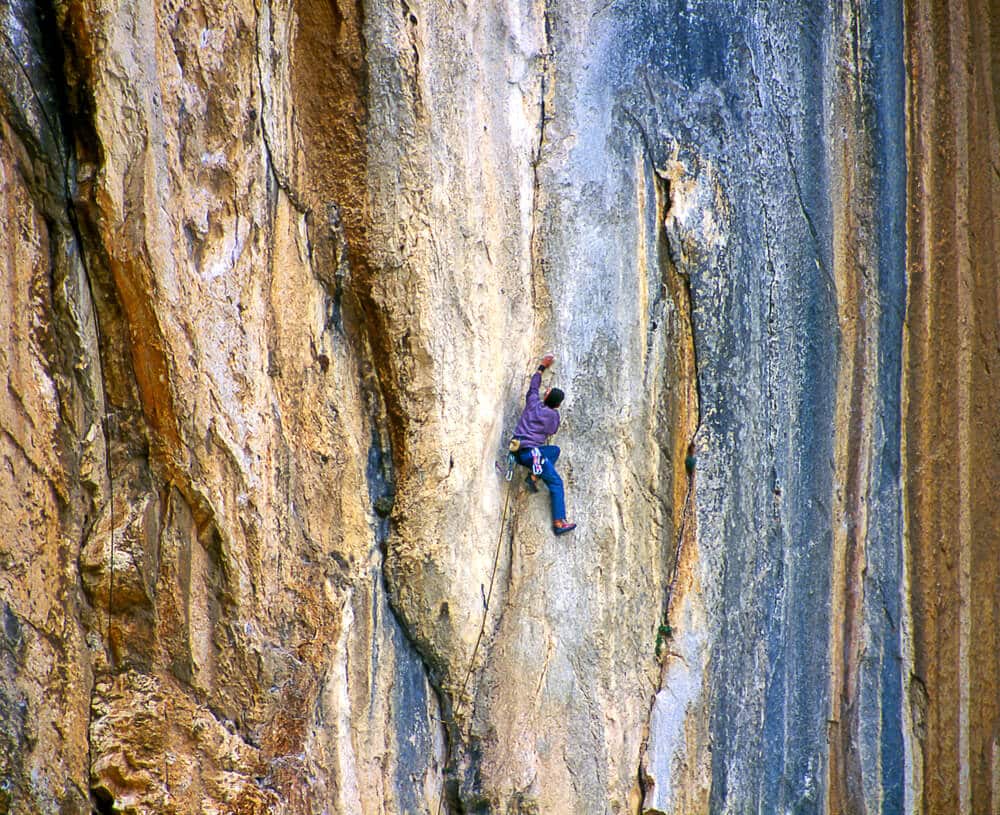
column 552, row 479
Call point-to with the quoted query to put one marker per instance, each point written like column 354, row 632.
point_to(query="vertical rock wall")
column 277, row 274
column 951, row 462
column 201, row 433
column 51, row 446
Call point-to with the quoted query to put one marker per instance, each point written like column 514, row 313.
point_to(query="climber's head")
column 553, row 397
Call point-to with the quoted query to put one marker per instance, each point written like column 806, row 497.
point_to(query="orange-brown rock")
column 952, row 462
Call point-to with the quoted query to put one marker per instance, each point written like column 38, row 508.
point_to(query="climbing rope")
column 486, row 607
column 489, row 594
column 482, row 627
column 664, row 632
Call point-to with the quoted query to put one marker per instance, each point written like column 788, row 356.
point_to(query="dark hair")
column 554, row 398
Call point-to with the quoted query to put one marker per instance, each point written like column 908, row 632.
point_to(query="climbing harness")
column 537, row 459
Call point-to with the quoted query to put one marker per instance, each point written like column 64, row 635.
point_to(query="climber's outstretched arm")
column 536, row 380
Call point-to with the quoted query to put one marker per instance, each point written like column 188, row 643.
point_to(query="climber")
column 539, row 420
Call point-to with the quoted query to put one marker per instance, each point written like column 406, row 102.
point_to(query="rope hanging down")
column 664, row 632
column 489, row 596
column 486, row 609
column 482, row 627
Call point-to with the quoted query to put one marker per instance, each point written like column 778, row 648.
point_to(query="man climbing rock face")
column 539, row 420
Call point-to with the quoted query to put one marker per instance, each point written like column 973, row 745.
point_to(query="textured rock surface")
column 51, row 453
column 274, row 278
column 227, row 470
column 952, row 452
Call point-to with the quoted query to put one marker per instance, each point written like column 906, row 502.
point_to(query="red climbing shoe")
column 561, row 527
column 531, row 483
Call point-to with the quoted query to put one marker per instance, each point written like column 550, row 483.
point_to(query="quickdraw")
column 512, row 448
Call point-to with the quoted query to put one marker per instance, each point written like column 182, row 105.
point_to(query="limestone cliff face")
column 952, row 434
column 274, row 278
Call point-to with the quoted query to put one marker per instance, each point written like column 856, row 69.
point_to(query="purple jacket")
column 538, row 421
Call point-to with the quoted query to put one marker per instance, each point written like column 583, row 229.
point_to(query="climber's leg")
column 547, row 455
column 553, row 481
